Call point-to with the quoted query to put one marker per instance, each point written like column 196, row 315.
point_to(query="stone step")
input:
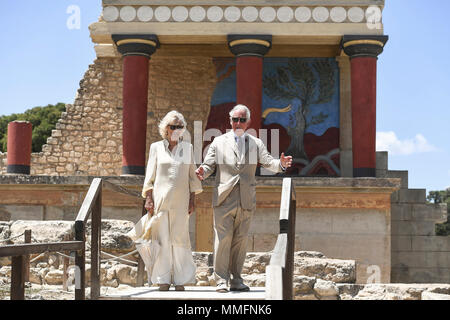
column 391, row 291
column 409, row 196
column 381, row 160
column 190, row 293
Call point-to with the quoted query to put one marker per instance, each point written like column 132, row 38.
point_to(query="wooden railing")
column 91, row 207
column 280, row 271
column 93, row 204
column 20, row 254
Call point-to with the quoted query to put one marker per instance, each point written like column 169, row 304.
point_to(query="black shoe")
column 240, row 287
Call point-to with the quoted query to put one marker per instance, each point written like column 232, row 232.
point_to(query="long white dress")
column 172, row 177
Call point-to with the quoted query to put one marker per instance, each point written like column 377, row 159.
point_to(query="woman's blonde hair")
column 168, row 118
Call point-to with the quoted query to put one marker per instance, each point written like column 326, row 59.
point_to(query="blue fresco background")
column 225, row 92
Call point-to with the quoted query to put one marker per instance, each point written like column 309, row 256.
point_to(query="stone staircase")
column 315, row 278
column 417, row 254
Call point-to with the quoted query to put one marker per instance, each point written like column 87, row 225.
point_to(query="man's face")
column 239, row 127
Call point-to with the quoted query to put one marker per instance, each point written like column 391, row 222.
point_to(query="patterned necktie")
column 240, row 144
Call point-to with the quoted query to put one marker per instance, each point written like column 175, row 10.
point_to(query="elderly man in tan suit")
column 235, row 156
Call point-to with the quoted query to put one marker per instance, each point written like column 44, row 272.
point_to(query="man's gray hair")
column 168, row 118
column 240, row 107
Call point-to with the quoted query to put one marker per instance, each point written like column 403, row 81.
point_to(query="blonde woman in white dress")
column 169, row 189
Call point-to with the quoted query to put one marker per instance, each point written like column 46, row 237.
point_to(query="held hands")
column 286, row 162
column 200, row 173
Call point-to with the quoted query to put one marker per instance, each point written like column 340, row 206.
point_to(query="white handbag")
column 148, row 251
column 147, row 246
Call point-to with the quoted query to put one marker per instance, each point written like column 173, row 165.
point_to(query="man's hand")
column 149, row 205
column 191, row 203
column 200, row 173
column 286, row 162
column 191, row 206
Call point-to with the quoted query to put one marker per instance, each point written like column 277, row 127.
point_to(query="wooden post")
column 141, row 267
column 95, row 246
column 288, row 274
column 27, row 257
column 17, row 278
column 80, row 261
column 66, row 262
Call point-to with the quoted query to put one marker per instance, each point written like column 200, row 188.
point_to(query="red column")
column 364, row 94
column 136, row 51
column 19, row 147
column 249, row 87
column 363, row 52
column 249, row 51
column 135, row 99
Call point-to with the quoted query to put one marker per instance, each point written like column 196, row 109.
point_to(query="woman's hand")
column 191, row 203
column 149, row 205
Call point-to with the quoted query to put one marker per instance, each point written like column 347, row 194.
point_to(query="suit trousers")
column 231, row 225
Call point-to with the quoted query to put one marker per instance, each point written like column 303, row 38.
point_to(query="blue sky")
column 42, row 61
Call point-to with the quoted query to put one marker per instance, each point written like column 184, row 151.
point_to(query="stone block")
column 381, row 160
column 23, row 212
column 405, row 274
column 265, row 220
column 421, row 259
column 122, row 213
column 429, row 212
column 412, row 195
column 401, row 211
column 401, row 243
column 356, row 221
column 44, row 231
column 67, row 213
column 430, row 243
column 325, row 288
column 394, row 197
column 314, row 220
column 419, row 228
column 402, row 174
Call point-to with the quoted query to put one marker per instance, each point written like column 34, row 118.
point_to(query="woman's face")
column 175, row 130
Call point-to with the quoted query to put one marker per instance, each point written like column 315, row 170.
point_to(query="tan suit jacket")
column 223, row 155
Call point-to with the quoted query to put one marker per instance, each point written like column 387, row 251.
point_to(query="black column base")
column 18, row 168
column 134, row 170
column 364, row 172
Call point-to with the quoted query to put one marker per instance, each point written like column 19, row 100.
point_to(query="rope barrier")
column 6, row 240
column 112, row 257
column 35, row 258
column 120, row 257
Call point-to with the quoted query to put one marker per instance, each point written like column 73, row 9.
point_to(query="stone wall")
column 418, row 255
column 88, row 137
column 344, row 218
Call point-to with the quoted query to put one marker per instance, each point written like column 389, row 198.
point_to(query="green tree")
column 442, row 229
column 43, row 120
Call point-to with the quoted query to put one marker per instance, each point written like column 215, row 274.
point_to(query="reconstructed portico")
column 250, row 31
